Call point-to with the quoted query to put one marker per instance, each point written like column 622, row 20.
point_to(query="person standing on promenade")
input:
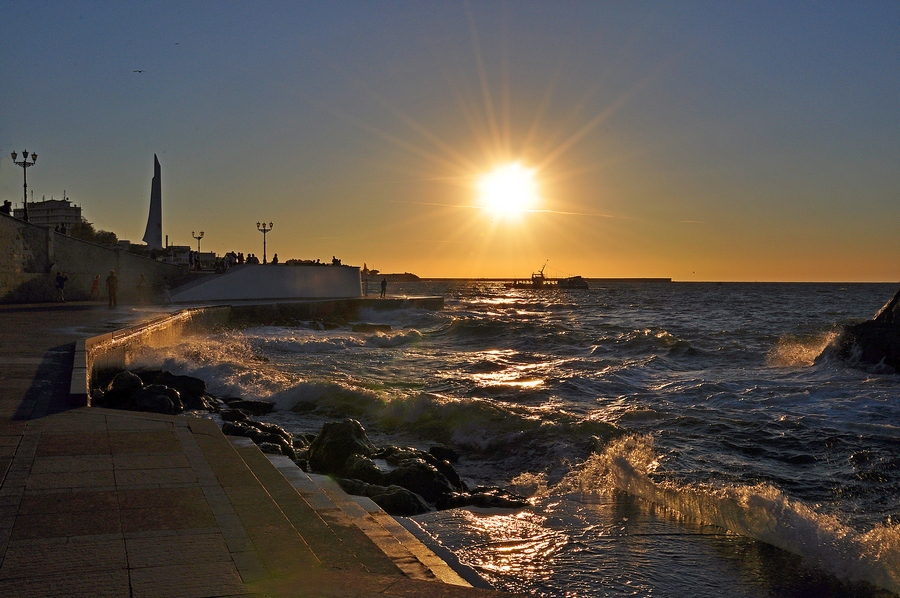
column 142, row 289
column 383, row 287
column 61, row 286
column 95, row 289
column 112, row 288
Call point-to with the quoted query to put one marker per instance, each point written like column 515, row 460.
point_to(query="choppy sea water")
column 677, row 439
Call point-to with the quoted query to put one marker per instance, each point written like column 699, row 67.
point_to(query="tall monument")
column 153, row 234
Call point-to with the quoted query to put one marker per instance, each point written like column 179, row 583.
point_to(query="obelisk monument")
column 153, row 234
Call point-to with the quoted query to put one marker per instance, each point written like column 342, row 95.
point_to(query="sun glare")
column 508, row 191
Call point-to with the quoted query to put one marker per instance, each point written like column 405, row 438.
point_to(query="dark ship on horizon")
column 540, row 282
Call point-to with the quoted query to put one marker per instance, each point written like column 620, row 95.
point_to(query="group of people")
column 112, row 288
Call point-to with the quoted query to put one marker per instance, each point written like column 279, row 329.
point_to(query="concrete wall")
column 30, row 257
column 272, row 282
column 115, row 351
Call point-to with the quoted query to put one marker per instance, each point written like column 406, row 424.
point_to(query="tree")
column 84, row 230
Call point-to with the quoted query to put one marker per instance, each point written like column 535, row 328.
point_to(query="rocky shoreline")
column 401, row 480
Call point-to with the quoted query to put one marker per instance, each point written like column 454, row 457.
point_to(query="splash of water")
column 800, row 351
column 761, row 512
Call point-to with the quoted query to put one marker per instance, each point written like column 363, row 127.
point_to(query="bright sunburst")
column 508, row 191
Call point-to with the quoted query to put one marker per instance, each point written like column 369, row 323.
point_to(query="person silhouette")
column 383, row 287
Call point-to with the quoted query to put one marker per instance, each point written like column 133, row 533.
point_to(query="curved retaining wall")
column 117, row 350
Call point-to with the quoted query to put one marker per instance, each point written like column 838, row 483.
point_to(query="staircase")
column 350, row 533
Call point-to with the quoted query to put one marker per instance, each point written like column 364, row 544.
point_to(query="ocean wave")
column 797, row 350
column 761, row 512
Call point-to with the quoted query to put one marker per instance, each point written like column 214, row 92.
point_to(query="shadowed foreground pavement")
column 98, row 502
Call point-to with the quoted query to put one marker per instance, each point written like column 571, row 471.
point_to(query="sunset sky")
column 693, row 140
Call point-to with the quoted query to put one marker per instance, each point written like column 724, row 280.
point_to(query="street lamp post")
column 197, row 236
column 261, row 227
column 25, row 164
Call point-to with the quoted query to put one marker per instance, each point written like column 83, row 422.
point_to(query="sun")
column 508, row 191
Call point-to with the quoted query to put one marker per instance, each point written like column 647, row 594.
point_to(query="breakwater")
column 117, row 350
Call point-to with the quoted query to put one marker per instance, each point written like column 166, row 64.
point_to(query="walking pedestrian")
column 61, row 286
column 112, row 288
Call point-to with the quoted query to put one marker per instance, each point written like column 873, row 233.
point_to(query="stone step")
column 328, row 531
column 415, row 559
column 270, row 534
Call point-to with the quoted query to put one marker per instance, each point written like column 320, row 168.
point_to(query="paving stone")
column 154, row 477
column 68, row 557
column 151, row 441
column 64, row 501
column 72, row 463
column 149, row 461
column 50, row 525
column 96, row 584
column 53, row 445
column 176, row 550
column 179, row 581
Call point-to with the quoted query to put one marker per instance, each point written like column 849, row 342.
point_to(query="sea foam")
column 761, row 512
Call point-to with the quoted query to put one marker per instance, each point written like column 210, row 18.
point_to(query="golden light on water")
column 508, row 191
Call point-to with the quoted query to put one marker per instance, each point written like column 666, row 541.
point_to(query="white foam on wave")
column 761, row 512
column 800, row 351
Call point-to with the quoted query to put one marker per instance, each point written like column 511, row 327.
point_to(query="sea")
column 674, row 439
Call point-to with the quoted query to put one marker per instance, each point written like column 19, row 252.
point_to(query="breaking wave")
column 761, row 512
column 796, row 350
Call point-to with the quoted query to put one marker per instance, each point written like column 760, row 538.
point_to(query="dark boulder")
column 121, row 388
column 154, row 401
column 233, row 415
column 362, row 468
column 399, row 501
column 337, row 441
column 251, row 406
column 125, row 381
column 183, row 384
column 874, row 344
column 485, row 498
column 871, row 344
column 395, row 500
column 422, row 478
column 250, row 429
column 270, row 447
column 443, row 453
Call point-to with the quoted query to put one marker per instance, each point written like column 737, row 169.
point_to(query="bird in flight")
column 137, row 71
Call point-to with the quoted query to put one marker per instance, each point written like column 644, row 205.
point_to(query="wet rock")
column 251, row 406
column 154, row 401
column 871, row 344
column 444, row 454
column 335, row 443
column 125, row 382
column 422, row 478
column 362, row 468
column 233, row 415
column 395, row 500
column 258, row 435
column 874, row 344
column 183, row 384
column 270, row 448
column 485, row 498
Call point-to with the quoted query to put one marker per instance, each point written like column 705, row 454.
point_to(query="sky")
column 711, row 141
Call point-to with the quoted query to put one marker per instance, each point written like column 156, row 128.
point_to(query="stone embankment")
column 104, row 502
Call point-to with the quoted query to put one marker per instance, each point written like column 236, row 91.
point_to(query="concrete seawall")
column 117, row 350
column 100, row 502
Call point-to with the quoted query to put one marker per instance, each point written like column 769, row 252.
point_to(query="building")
column 51, row 213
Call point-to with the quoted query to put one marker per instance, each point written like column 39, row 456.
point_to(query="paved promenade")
column 97, row 502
